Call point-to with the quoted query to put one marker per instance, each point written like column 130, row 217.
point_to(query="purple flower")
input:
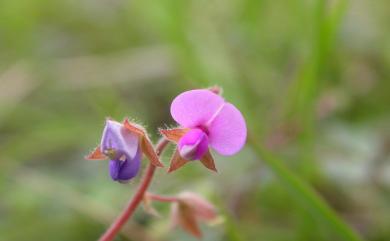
column 206, row 120
column 123, row 149
column 124, row 144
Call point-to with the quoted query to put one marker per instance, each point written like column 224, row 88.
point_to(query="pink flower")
column 206, row 121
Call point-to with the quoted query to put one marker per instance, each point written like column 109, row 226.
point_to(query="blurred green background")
column 311, row 78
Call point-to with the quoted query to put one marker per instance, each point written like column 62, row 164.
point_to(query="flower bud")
column 189, row 210
column 201, row 207
column 122, row 147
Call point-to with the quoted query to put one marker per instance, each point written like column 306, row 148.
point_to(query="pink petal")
column 193, row 145
column 195, row 108
column 227, row 132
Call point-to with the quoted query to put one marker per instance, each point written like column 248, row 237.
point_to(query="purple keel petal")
column 131, row 167
column 193, row 145
column 227, row 132
column 123, row 171
column 195, row 108
column 114, row 168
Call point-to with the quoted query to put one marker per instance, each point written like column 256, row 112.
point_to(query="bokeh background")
column 311, row 78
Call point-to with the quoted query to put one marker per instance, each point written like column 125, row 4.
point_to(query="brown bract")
column 174, row 134
column 189, row 210
column 146, row 144
column 96, row 155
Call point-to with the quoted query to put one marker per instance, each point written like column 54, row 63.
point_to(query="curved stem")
column 137, row 198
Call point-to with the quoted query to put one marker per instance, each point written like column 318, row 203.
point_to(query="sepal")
column 174, row 134
column 216, row 89
column 145, row 143
column 208, row 161
column 182, row 215
column 176, row 162
column 96, row 155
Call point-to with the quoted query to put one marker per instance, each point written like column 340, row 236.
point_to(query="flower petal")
column 193, row 145
column 123, row 171
column 227, row 132
column 195, row 108
column 114, row 168
column 116, row 137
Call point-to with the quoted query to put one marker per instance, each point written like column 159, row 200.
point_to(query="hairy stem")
column 137, row 198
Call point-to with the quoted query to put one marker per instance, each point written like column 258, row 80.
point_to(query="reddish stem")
column 137, row 198
column 159, row 198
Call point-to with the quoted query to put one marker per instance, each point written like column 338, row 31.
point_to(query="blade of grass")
column 301, row 104
column 304, row 194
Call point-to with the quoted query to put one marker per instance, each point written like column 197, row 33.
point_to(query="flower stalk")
column 205, row 121
column 116, row 226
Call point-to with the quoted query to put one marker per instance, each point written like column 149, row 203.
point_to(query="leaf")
column 146, row 144
column 175, row 134
column 96, row 155
column 176, row 162
column 208, row 161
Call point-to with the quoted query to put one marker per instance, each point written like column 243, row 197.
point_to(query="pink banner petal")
column 195, row 107
column 227, row 132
